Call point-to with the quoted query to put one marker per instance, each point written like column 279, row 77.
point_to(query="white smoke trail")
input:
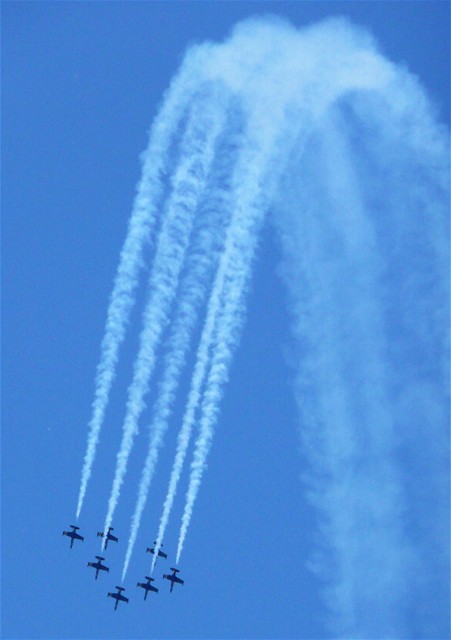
column 255, row 190
column 208, row 244
column 225, row 340
column 351, row 346
column 188, row 418
column 197, row 152
column 173, row 365
column 268, row 98
column 222, row 327
column 310, row 100
column 236, row 259
column 142, row 221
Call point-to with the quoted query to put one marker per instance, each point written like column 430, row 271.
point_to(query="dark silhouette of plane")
column 109, row 536
column 147, row 586
column 98, row 566
column 73, row 535
column 173, row 578
column 160, row 554
column 118, row 596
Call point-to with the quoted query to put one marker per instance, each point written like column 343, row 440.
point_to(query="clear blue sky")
column 81, row 84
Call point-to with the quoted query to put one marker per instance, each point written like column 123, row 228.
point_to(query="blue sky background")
column 81, row 85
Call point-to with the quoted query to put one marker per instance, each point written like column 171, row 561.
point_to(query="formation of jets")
column 98, row 566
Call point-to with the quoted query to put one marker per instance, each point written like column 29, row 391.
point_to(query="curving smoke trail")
column 297, row 107
column 337, row 245
column 279, row 111
column 222, row 343
column 197, row 153
column 142, row 221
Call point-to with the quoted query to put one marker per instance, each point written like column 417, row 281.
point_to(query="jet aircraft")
column 160, row 554
column 147, row 586
column 98, row 566
column 118, row 596
column 173, row 578
column 73, row 535
column 109, row 536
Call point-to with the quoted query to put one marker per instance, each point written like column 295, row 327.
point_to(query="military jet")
column 98, row 566
column 173, row 578
column 73, row 535
column 109, row 536
column 147, row 586
column 160, row 554
column 118, row 596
